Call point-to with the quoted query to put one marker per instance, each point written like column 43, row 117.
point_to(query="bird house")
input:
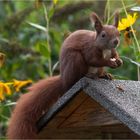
column 94, row 109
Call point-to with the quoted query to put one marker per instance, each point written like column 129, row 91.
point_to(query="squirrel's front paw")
column 107, row 76
column 112, row 63
column 92, row 76
column 119, row 62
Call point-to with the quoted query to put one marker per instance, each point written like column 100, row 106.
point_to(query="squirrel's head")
column 107, row 35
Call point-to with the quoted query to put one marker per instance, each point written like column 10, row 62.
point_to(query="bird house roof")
column 120, row 97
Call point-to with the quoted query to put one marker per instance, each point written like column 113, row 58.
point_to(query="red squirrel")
column 81, row 52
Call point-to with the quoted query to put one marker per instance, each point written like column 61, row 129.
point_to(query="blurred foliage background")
column 31, row 34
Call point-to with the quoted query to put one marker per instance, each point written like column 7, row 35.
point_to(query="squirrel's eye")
column 103, row 34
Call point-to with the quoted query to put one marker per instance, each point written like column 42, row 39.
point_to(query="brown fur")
column 32, row 105
column 80, row 50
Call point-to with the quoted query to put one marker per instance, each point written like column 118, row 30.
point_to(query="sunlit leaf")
column 137, row 8
column 38, row 26
column 10, row 104
column 132, row 61
column 55, row 66
column 4, row 40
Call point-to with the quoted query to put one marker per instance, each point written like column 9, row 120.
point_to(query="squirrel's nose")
column 116, row 42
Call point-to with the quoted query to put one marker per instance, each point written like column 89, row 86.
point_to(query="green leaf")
column 132, row 61
column 42, row 28
column 44, row 49
column 4, row 40
column 4, row 117
column 11, row 104
column 51, row 12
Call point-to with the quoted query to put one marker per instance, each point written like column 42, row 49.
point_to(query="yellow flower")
column 127, row 22
column 55, row 1
column 19, row 84
column 4, row 89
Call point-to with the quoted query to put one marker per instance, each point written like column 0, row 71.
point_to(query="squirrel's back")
column 79, row 39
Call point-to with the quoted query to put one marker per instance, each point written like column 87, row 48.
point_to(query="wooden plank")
column 117, row 131
column 69, row 133
column 90, row 113
column 80, row 112
column 61, row 116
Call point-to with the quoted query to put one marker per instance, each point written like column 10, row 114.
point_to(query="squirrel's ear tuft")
column 116, row 19
column 96, row 21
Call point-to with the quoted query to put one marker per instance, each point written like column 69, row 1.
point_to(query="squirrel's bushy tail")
column 31, row 106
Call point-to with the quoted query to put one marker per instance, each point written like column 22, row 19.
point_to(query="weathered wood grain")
column 63, row 115
column 85, row 118
column 90, row 113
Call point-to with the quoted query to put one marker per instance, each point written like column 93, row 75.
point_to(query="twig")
column 16, row 49
column 14, row 21
column 71, row 9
